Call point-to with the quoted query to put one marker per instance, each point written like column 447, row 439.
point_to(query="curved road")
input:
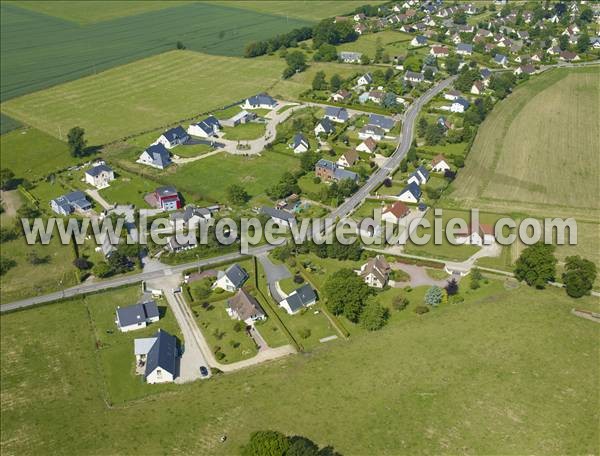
column 340, row 212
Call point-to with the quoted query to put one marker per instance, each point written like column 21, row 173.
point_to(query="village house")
column 410, row 194
column 375, row 272
column 416, row 78
column 394, row 212
column 439, row 164
column 136, row 316
column 464, row 49
column 525, row 69
column 335, row 114
column 191, row 216
column 365, row 79
column 242, row 117
column 452, row 95
column 186, row 242
column 299, row 299
column 475, row 235
column 500, row 59
column 330, row 171
column 348, row 159
column 165, row 198
column 260, row 101
column 439, row 51
column 459, row 105
column 173, row 137
column 568, row 56
column 156, row 156
column 244, row 307
column 205, row 128
column 324, row 126
column 419, row 177
column 341, row 96
column 418, row 41
column 477, row 88
column 350, row 57
column 376, row 96
column 99, row 176
column 156, row 357
column 371, row 131
column 368, row 145
column 69, row 203
column 360, row 28
column 231, row 279
column 383, row 122
column 280, row 217
column 299, row 144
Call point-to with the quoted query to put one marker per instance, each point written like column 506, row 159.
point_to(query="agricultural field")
column 431, row 381
column 39, row 50
column 32, row 154
column 393, row 42
column 8, row 124
column 146, row 95
column 536, row 152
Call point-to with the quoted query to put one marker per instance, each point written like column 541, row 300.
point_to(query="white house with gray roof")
column 173, row 137
column 156, row 357
column 137, row 316
column 350, row 57
column 280, row 217
column 231, row 279
column 205, row 128
column 299, row 144
column 300, row 298
column 156, row 156
column 335, row 114
column 99, row 176
column 71, row 202
column 260, row 101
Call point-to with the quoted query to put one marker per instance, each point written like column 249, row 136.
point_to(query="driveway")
column 418, row 276
column 274, row 273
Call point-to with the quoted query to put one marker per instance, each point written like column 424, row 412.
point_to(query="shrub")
column 400, row 303
column 304, row 333
column 298, row 279
column 455, row 299
column 238, row 326
column 421, row 310
column 220, row 355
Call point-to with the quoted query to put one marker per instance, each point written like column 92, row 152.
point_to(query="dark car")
column 203, row 371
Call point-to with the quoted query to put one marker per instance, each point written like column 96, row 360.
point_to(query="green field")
column 145, row 95
column 8, row 124
column 522, row 371
column 32, row 154
column 393, row 42
column 248, row 131
column 39, row 50
column 537, row 151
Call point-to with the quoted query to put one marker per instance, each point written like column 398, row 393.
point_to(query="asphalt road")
column 340, row 212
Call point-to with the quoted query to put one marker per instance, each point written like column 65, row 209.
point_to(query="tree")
column 422, row 126
column 587, row 14
column 6, row 264
column 296, row 62
column 326, row 53
column 563, row 42
column 237, row 194
column 428, row 74
column 6, row 179
column 583, row 42
column 434, row 295
column 400, row 302
column 346, row 294
column 476, row 277
column 7, row 234
column 536, row 265
column 180, row 45
column 388, row 75
column 434, row 134
column 579, row 276
column 364, row 59
column 374, row 316
column 29, row 212
column 452, row 64
column 319, row 82
column 335, row 82
column 403, row 165
column 452, row 287
column 266, row 443
column 76, row 141
column 101, row 269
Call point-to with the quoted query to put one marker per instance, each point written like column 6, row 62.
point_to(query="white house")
column 173, row 137
column 375, row 272
column 298, row 299
column 260, row 101
column 136, row 316
column 156, row 156
column 99, row 176
column 439, row 164
column 244, row 307
column 191, row 216
column 410, row 194
column 371, row 131
column 477, row 88
column 419, row 177
column 348, row 159
column 157, row 356
column 413, row 77
column 365, row 79
column 341, row 95
column 335, row 114
column 279, row 216
column 350, row 57
column 452, row 95
column 299, row 144
column 439, row 51
column 231, row 279
column 475, row 235
column 324, row 126
column 394, row 212
column 459, row 105
column 205, row 128
column 368, row 145
column 418, row 41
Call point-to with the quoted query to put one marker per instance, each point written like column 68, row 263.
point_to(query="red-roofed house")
column 394, row 212
column 475, row 235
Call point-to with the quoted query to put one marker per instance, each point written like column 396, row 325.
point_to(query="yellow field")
column 537, row 152
column 145, row 95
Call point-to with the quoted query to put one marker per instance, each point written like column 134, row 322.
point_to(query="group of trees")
column 330, row 32
column 536, row 266
column 296, row 63
column 287, row 185
column 502, row 83
column 286, row 40
column 121, row 260
column 237, row 194
column 273, row 443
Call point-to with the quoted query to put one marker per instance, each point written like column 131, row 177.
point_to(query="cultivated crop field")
column 537, row 152
column 145, row 95
column 39, row 50
column 462, row 378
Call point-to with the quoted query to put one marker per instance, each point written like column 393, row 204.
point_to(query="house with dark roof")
column 349, row 57
column 336, row 114
column 279, row 216
column 173, row 137
column 205, row 128
column 243, row 306
column 365, row 79
column 260, row 101
column 500, row 59
column 410, row 194
column 71, row 202
column 156, row 156
column 231, row 279
column 418, row 41
column 464, row 49
column 99, row 176
column 415, row 78
column 136, row 316
column 190, row 216
column 459, row 105
column 525, row 69
column 157, row 356
column 165, row 198
column 324, row 126
column 299, row 299
column 383, row 122
column 419, row 177
column 180, row 243
column 477, row 88
column 371, row 131
column 330, row 171
column 299, row 143
column 341, row 95
column 375, row 272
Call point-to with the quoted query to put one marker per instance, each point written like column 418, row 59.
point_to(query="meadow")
column 39, row 50
column 507, row 371
column 393, row 42
column 145, row 95
column 537, row 151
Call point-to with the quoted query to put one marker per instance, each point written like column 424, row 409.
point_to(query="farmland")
column 393, row 42
column 40, row 51
column 535, row 151
column 484, row 392
column 144, row 95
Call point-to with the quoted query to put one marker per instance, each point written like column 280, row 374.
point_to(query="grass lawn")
column 133, row 98
column 504, row 386
column 128, row 188
column 366, row 209
column 393, row 42
column 192, row 150
column 437, row 274
column 251, row 130
column 8, row 124
column 448, row 150
column 210, row 177
column 32, row 154
column 115, row 349
column 541, row 139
